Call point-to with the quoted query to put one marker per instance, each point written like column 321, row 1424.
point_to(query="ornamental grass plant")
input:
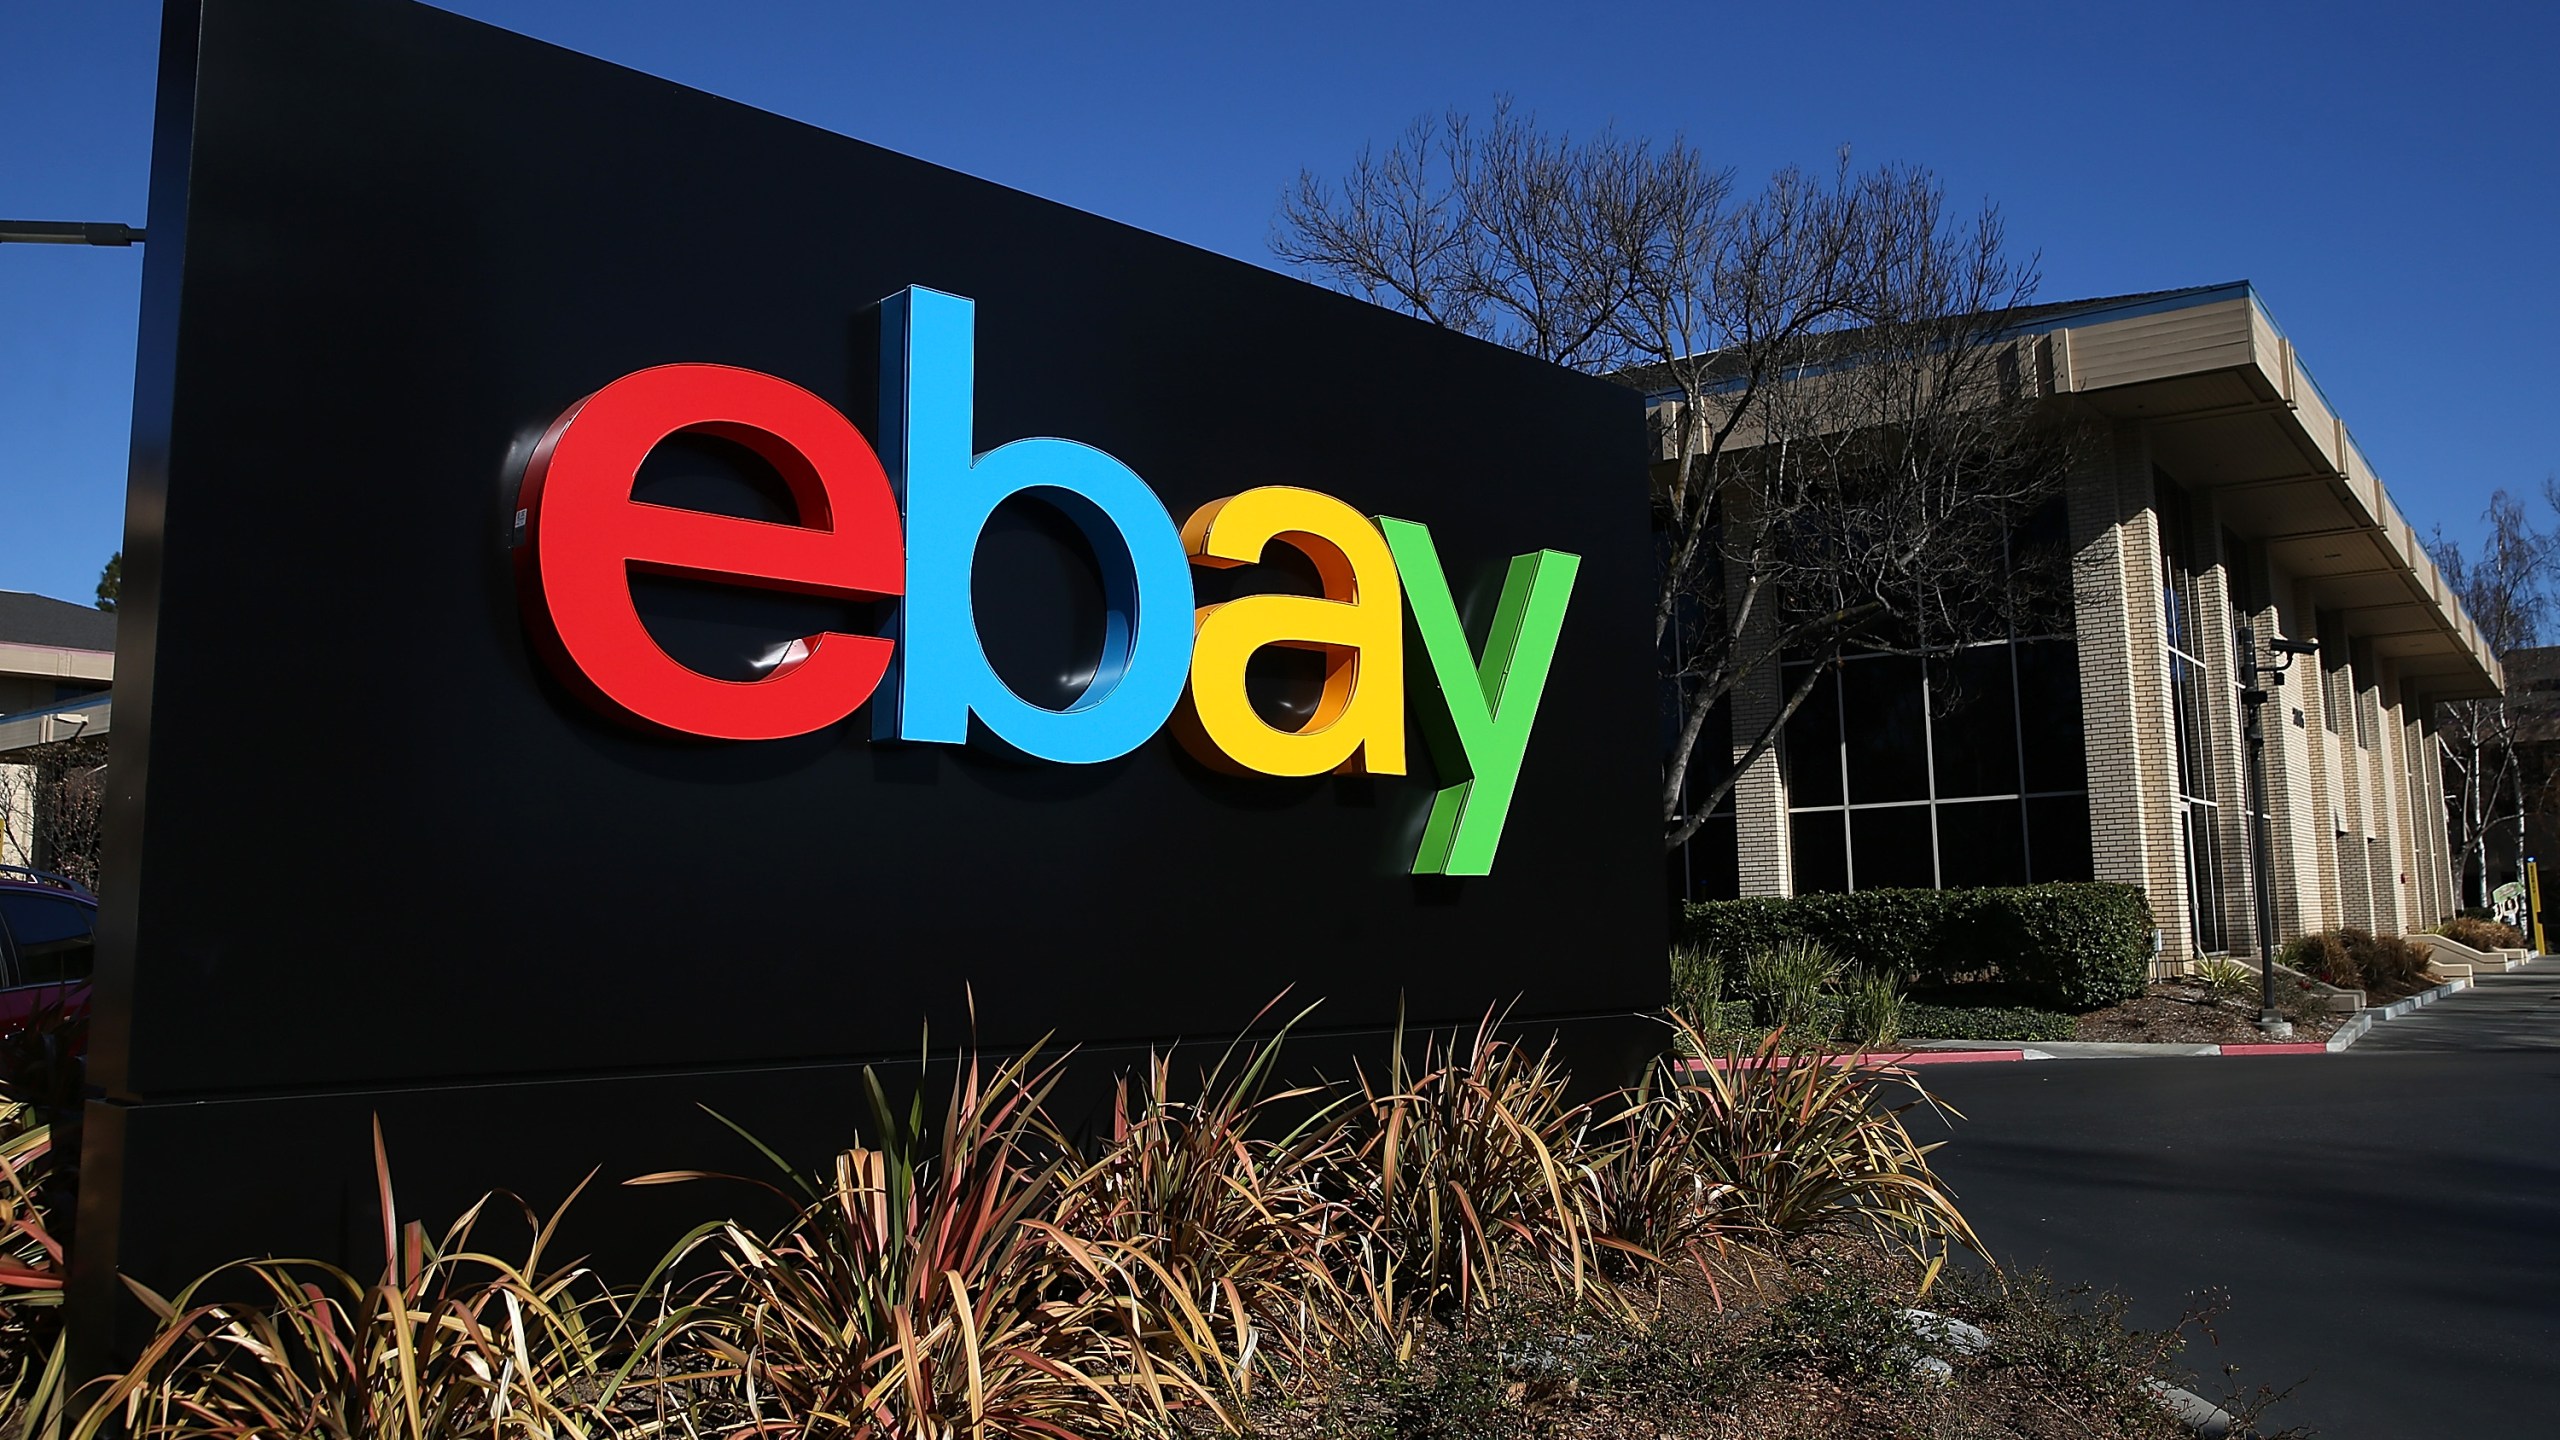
column 1458, row 1166
column 32, row 1270
column 447, row 1341
column 2227, row 978
column 1870, row 1008
column 1451, row 1234
column 1799, row 1142
column 1798, row 986
column 1787, row 983
column 923, row 1288
column 1221, row 1204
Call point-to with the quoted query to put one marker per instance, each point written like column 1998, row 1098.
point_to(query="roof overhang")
column 56, row 661
column 2228, row 409
column 85, row 718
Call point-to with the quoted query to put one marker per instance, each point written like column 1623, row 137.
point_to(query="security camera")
column 2283, row 646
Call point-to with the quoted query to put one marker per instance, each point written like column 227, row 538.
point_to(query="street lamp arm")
column 68, row 232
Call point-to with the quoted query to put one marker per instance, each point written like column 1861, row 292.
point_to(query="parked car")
column 48, row 943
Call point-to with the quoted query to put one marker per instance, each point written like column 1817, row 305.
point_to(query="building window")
column 2190, row 695
column 1962, row 770
column 1709, row 865
column 2243, row 884
column 1957, row 770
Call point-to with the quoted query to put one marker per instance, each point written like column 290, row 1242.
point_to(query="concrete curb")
column 2200, row 1416
column 2398, row 1008
column 2354, row 1028
column 1941, row 1333
column 1877, row 1058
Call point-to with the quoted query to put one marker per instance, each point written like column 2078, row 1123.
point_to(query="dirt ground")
column 2188, row 1012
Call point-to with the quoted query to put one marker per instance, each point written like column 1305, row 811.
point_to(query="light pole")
column 2253, row 702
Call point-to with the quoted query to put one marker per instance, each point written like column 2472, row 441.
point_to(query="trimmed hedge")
column 2078, row 946
column 1953, row 1022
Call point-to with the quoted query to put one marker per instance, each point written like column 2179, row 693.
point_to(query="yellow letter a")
column 1358, row 626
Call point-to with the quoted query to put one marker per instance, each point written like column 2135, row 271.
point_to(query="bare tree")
column 2490, row 746
column 1498, row 231
column 51, row 797
column 1846, row 433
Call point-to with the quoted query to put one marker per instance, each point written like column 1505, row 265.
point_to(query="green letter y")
column 1491, row 703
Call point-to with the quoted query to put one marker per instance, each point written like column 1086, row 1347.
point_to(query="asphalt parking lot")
column 2385, row 1221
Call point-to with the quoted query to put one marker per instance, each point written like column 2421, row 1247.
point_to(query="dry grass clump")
column 2359, row 959
column 2482, row 935
column 1238, row 1256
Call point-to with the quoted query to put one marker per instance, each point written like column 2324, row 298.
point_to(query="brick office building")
column 2219, row 487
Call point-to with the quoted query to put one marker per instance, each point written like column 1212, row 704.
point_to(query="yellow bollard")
column 2533, row 902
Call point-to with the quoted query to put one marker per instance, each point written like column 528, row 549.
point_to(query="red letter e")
column 586, row 536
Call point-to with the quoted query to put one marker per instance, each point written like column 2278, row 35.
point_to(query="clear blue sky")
column 2384, row 173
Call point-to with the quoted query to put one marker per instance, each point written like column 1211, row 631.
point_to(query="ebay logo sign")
column 900, row 521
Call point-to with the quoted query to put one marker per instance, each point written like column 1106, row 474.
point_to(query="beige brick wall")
column 2297, row 800
column 1760, row 790
column 2389, row 868
column 2124, row 679
column 2431, row 776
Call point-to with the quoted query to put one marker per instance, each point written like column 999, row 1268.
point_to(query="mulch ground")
column 2187, row 1013
column 1780, row 1349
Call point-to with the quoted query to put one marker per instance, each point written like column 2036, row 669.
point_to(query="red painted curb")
column 1879, row 1058
column 2287, row 1048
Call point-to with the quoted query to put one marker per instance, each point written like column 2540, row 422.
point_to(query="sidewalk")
column 2519, row 1010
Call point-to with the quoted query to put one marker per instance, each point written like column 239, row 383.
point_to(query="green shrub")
column 1966, row 1022
column 1784, row 985
column 1845, row 1326
column 2079, row 946
column 1871, row 1008
column 1897, row 930
column 2481, row 934
column 1697, row 982
column 2082, row 947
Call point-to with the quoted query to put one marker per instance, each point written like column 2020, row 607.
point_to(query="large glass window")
column 2190, row 696
column 1885, row 754
column 1973, row 747
column 2335, row 697
column 1709, row 866
column 1966, row 770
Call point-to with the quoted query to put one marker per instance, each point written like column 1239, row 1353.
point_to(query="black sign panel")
column 369, row 854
